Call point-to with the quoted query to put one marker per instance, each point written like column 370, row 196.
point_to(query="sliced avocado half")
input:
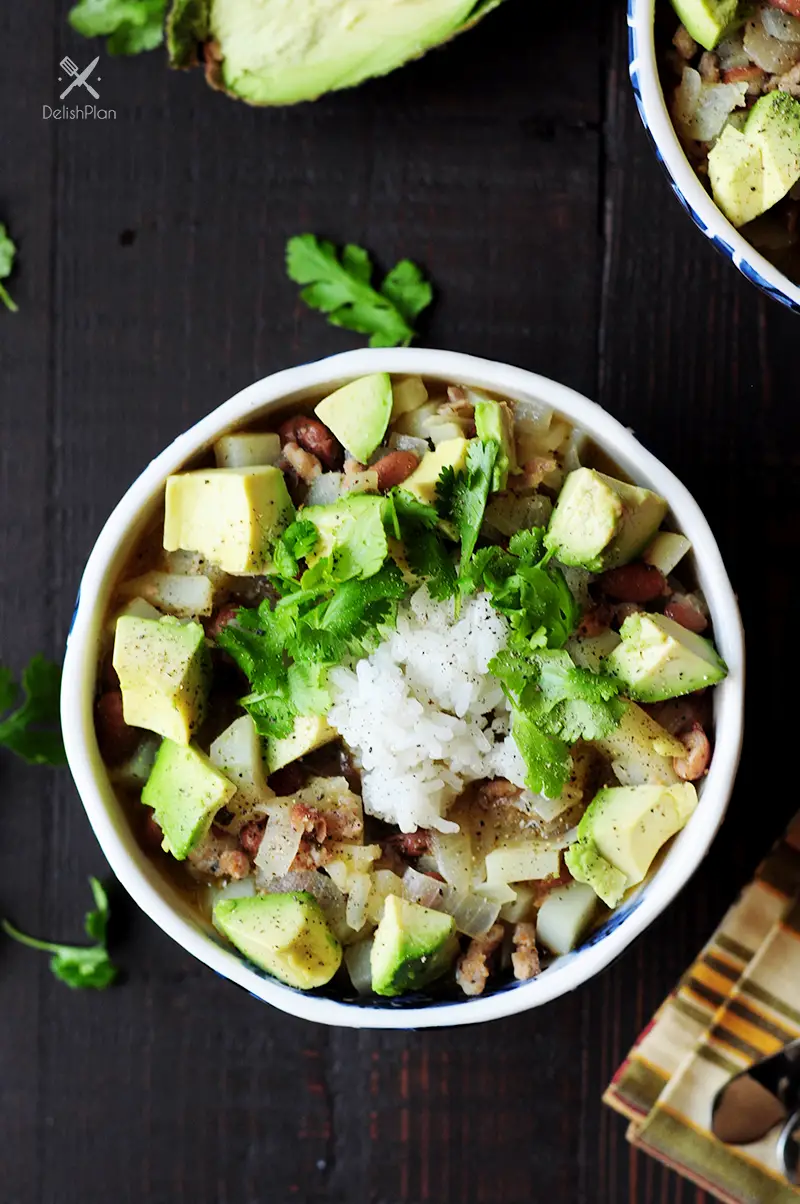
column 277, row 52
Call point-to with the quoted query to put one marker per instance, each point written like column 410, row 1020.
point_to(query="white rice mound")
column 422, row 714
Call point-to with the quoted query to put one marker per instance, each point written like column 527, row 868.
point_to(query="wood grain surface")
column 513, row 166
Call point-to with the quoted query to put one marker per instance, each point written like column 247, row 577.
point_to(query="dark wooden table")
column 151, row 287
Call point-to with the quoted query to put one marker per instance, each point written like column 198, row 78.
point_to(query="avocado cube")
column 641, row 751
column 706, row 20
column 359, row 413
column 185, row 791
column 494, row 420
column 659, row 659
column 164, row 673
column 773, row 125
column 309, row 732
column 621, row 832
column 285, row 934
column 736, row 175
column 413, row 946
column 352, row 532
column 422, row 482
column 231, row 516
column 600, row 522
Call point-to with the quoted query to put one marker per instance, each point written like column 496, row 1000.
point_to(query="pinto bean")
column 636, row 582
column 251, row 836
column 394, row 468
column 684, row 609
column 698, row 754
column 314, row 437
column 116, row 738
column 410, row 844
column 221, row 618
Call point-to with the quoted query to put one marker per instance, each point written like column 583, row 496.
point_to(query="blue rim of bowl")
column 748, row 270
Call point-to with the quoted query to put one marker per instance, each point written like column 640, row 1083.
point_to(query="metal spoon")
column 789, row 1149
column 753, row 1102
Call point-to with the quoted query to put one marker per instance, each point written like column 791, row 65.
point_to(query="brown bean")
column 251, row 836
column 116, row 738
column 221, row 618
column 410, row 844
column 683, row 609
column 314, row 437
column 152, row 836
column 788, row 6
column 394, row 468
column 698, row 754
column 637, row 582
column 288, row 780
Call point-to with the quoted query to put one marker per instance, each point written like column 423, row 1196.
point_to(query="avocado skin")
column 190, row 44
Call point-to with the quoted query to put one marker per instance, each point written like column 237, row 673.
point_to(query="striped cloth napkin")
column 737, row 1003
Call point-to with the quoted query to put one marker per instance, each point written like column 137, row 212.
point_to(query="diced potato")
column 564, row 917
column 173, row 593
column 522, row 863
column 666, row 551
column 247, row 449
column 522, row 907
column 408, row 393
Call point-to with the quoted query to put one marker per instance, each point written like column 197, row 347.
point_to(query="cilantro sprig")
column 462, row 494
column 130, row 26
column 286, row 650
column 553, row 704
column 78, row 965
column 415, row 523
column 339, row 285
column 7, row 252
column 32, row 731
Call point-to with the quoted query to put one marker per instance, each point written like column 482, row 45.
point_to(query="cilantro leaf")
column 554, row 704
column 410, row 508
column 130, row 26
column 339, row 286
column 429, row 558
column 7, row 252
column 33, row 730
column 462, row 495
column 78, row 965
column 296, row 543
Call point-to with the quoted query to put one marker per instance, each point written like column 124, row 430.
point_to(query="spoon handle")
column 789, row 1148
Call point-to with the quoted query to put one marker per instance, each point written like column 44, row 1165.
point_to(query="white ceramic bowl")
column 690, row 192
column 166, row 906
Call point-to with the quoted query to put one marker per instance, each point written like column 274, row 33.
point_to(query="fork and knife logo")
column 80, row 78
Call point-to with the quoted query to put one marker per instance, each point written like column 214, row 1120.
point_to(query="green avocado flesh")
column 413, row 946
column 277, row 52
column 285, row 934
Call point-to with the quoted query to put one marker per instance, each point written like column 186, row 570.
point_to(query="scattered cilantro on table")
column 32, row 731
column 339, row 285
column 7, row 252
column 130, row 26
column 78, row 965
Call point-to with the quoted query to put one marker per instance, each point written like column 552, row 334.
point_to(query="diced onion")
column 325, row 489
column 281, row 842
column 359, row 886
column 384, row 883
column 780, row 25
column 452, row 853
column 473, row 914
column 769, row 53
column 700, row 109
column 410, row 443
column 357, row 959
column 408, row 393
column 731, row 52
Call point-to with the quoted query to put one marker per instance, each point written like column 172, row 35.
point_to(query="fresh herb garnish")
column 554, row 703
column 130, row 26
column 414, row 523
column 339, row 286
column 523, row 586
column 7, row 252
column 286, row 650
column 461, row 496
column 78, row 965
column 32, row 731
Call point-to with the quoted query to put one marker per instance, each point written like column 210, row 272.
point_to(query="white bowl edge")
column 132, row 866
column 643, row 67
